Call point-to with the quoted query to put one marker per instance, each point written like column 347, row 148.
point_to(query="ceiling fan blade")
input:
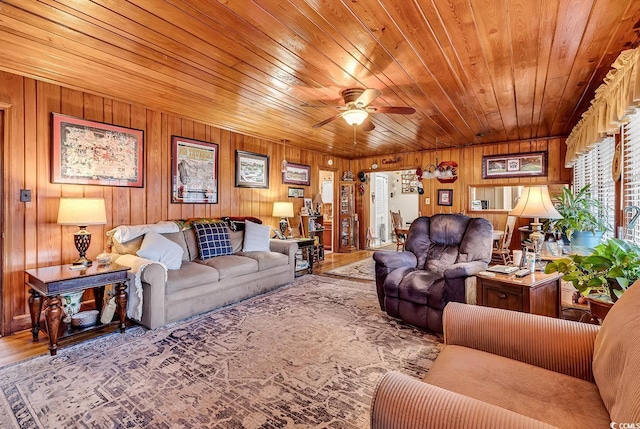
column 367, row 125
column 367, row 96
column 319, row 105
column 393, row 109
column 326, row 121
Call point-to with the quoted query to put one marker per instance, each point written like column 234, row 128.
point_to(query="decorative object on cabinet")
column 348, row 219
column 283, row 210
column 445, row 197
column 318, row 201
column 535, row 203
column 296, row 192
column 93, row 153
column 530, row 164
column 308, row 206
column 82, row 212
column 297, row 174
column 194, row 171
column 252, row 170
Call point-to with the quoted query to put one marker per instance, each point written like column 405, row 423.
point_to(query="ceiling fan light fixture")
column 355, row 116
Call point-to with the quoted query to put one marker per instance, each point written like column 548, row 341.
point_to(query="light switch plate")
column 427, row 200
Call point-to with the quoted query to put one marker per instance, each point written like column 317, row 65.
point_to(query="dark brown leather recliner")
column 440, row 253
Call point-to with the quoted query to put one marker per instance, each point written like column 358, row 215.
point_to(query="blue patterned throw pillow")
column 213, row 240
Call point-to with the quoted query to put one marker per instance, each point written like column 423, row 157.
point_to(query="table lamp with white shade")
column 535, row 203
column 82, row 212
column 283, row 210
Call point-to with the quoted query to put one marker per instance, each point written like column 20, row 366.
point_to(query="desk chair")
column 397, row 223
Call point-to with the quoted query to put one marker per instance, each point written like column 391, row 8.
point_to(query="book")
column 504, row 269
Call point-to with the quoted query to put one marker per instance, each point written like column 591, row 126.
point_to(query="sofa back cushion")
column 616, row 358
column 213, row 240
column 128, row 247
column 157, row 248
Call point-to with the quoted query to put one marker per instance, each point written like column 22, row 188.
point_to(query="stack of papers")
column 504, row 269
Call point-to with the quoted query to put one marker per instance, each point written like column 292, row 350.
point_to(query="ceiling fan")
column 356, row 108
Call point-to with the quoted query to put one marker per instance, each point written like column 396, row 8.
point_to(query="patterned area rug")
column 364, row 269
column 306, row 356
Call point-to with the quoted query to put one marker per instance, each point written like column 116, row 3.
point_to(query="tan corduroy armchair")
column 504, row 369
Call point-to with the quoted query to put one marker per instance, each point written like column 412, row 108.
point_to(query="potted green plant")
column 581, row 221
column 603, row 275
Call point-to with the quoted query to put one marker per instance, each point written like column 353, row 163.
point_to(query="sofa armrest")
column 403, row 402
column 558, row 345
column 464, row 269
column 287, row 247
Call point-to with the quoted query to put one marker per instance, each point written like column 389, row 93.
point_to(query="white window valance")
column 615, row 99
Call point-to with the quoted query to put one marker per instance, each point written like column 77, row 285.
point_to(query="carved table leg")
column 35, row 307
column 121, row 302
column 98, row 293
column 53, row 316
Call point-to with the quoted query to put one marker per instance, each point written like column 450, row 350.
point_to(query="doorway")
column 389, row 192
column 326, row 192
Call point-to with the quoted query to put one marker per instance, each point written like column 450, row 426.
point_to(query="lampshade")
column 355, row 116
column 82, row 211
column 282, row 209
column 535, row 203
column 318, row 199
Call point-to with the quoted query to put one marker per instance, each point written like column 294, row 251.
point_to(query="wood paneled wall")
column 469, row 171
column 32, row 237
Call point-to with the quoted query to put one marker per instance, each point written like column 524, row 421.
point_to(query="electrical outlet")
column 427, row 200
column 25, row 195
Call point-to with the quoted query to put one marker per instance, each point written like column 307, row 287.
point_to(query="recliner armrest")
column 393, row 260
column 403, row 402
column 558, row 345
column 464, row 269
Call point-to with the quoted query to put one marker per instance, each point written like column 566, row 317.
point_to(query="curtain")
column 615, row 99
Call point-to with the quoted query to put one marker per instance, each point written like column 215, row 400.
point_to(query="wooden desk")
column 51, row 282
column 537, row 293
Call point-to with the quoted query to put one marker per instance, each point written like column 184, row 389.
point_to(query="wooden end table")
column 51, row 282
column 537, row 293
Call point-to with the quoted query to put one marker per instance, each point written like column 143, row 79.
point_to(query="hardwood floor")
column 20, row 346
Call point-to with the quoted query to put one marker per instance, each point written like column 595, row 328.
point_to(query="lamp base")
column 82, row 261
column 283, row 226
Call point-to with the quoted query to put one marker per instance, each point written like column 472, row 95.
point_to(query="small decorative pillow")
column 256, row 237
column 157, row 248
column 213, row 239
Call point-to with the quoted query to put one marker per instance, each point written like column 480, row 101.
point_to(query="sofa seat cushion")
column 190, row 275
column 230, row 266
column 418, row 286
column 544, row 395
column 267, row 260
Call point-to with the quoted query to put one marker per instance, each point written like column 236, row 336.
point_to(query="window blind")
column 631, row 172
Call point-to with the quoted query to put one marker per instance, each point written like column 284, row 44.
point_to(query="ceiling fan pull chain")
column 354, row 133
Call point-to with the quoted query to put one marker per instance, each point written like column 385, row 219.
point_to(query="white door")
column 381, row 207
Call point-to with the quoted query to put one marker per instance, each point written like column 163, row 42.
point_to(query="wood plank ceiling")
column 476, row 71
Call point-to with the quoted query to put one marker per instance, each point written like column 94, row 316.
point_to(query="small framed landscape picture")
column 296, row 192
column 252, row 170
column 297, row 174
column 445, row 197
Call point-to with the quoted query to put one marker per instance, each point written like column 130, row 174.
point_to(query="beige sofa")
column 507, row 369
column 203, row 285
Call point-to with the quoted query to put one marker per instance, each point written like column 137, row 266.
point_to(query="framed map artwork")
column 194, row 171
column 92, row 153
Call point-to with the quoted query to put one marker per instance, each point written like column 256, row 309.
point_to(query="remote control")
column 523, row 272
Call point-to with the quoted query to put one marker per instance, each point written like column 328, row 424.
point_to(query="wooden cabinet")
column 536, row 293
column 313, row 227
column 348, row 219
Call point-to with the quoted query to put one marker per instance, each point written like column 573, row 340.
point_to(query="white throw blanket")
column 124, row 233
column 137, row 265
